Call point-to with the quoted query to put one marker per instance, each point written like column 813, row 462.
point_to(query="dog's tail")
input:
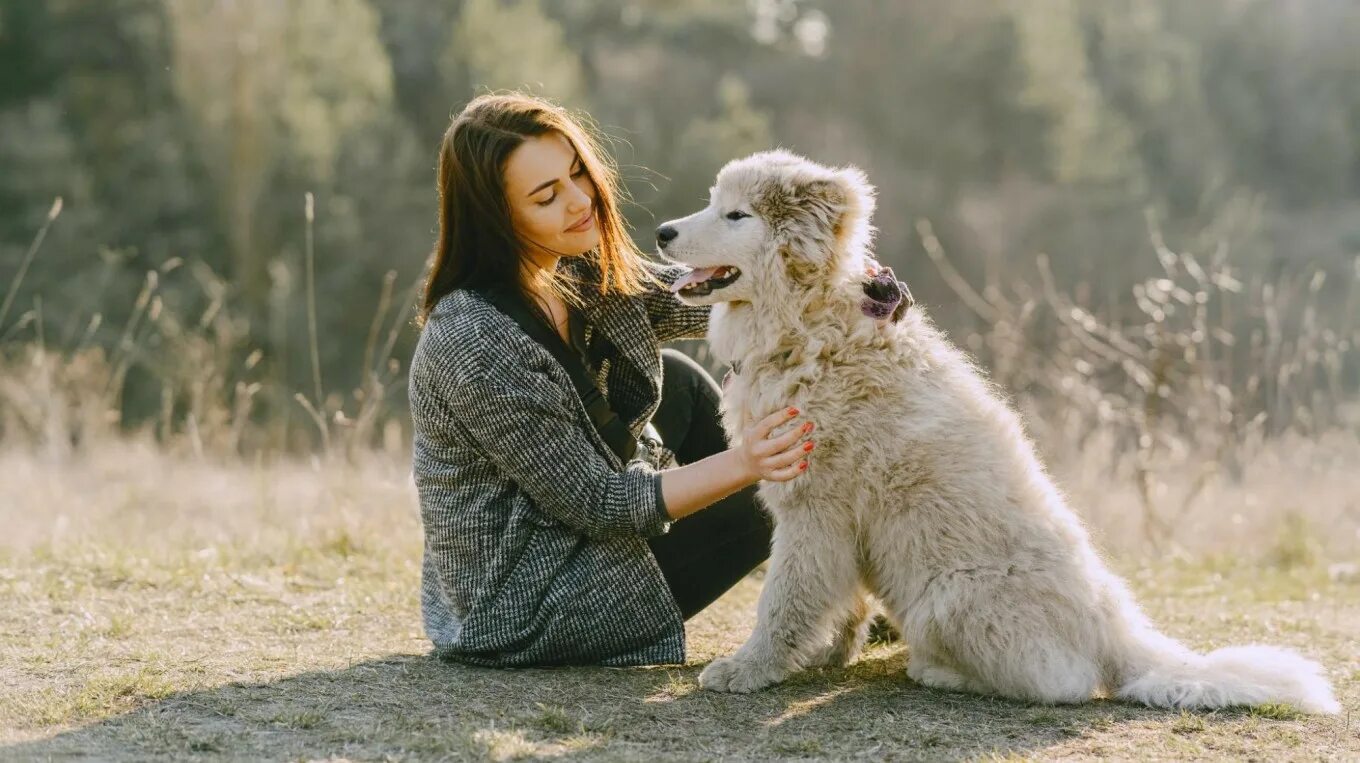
column 1155, row 670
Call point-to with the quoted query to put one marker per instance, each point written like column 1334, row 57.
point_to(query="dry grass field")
column 167, row 607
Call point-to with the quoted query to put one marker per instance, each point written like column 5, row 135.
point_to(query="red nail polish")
column 793, row 411
column 802, row 467
column 808, row 446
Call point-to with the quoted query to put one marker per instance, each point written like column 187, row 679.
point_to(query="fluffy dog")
column 924, row 490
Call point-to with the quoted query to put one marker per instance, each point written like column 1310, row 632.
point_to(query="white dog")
column 924, row 490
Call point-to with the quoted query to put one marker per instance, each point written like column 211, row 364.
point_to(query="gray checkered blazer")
column 535, row 550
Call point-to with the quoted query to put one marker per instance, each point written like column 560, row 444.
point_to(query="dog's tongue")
column 692, row 277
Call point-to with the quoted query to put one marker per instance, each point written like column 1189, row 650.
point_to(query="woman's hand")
column 780, row 458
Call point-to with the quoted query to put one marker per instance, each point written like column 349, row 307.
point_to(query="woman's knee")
column 688, row 416
column 683, row 372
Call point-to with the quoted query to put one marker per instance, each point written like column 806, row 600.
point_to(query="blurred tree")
column 737, row 128
column 415, row 36
column 1282, row 81
column 1088, row 142
column 273, row 89
column 536, row 57
column 88, row 113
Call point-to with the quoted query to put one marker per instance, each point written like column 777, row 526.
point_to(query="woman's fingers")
column 782, row 457
column 773, row 420
column 788, row 472
column 782, row 442
column 785, row 457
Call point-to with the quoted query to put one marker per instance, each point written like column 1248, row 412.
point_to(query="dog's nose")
column 665, row 234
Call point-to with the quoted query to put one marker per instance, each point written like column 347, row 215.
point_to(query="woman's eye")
column 579, row 171
column 546, row 201
column 736, row 214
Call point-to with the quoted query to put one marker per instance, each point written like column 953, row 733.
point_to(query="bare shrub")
column 1193, row 390
column 200, row 364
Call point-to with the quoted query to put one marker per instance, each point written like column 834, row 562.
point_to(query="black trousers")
column 707, row 552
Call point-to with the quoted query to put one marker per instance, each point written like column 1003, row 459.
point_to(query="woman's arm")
column 692, row 487
column 671, row 318
column 540, row 445
column 466, row 380
column 528, row 429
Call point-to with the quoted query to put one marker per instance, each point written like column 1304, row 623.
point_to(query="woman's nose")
column 579, row 200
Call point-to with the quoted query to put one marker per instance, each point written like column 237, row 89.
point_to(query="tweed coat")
column 535, row 532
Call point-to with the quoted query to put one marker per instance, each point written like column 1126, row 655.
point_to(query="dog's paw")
column 738, row 675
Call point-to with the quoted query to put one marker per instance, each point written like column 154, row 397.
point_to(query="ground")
column 286, row 626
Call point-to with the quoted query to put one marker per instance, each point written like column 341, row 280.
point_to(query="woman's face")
column 552, row 200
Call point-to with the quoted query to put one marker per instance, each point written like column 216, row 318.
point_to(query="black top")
column 576, row 329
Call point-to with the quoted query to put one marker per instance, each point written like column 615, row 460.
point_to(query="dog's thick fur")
column 924, row 490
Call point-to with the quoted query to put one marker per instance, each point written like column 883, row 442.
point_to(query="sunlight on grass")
column 505, row 745
column 803, row 707
column 676, row 686
column 100, row 697
column 1189, row 723
column 1277, row 712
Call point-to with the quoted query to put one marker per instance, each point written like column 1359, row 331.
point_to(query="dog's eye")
column 736, row 214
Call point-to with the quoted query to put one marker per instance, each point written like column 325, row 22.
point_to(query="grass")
column 170, row 608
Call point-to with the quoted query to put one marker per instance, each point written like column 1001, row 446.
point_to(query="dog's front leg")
column 848, row 635
column 812, row 579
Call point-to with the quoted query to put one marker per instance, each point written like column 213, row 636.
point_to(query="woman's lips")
column 584, row 224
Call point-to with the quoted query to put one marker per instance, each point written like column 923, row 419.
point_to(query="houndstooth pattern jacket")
column 535, row 550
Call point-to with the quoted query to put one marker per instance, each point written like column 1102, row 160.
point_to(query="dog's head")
column 775, row 223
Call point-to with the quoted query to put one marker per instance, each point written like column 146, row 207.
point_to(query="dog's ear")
column 856, row 208
column 817, row 214
column 828, row 193
column 820, row 201
column 824, row 216
column 840, row 201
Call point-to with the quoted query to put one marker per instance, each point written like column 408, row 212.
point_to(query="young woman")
column 543, row 545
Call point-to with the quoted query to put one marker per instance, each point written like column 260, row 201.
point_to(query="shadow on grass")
column 408, row 706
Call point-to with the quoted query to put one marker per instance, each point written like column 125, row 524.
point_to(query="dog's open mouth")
column 701, row 281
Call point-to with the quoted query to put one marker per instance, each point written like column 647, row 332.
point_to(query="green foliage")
column 536, row 57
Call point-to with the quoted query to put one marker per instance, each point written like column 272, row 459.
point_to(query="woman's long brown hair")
column 478, row 246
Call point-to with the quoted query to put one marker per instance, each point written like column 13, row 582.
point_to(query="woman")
column 543, row 545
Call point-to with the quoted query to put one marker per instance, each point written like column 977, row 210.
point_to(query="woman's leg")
column 707, row 552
